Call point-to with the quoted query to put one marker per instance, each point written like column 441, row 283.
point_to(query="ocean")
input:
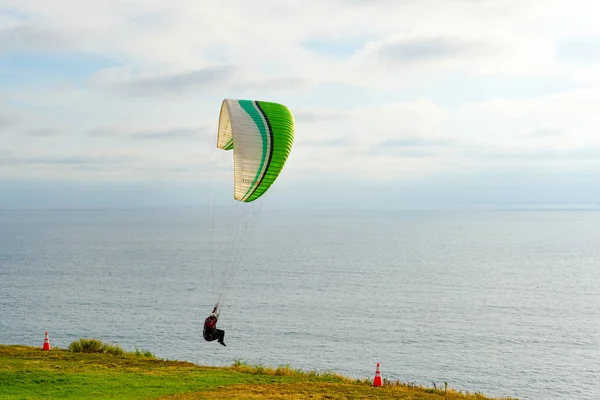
column 504, row 302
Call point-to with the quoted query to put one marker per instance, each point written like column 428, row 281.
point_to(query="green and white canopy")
column 260, row 134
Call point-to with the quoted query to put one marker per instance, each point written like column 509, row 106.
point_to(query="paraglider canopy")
column 260, row 134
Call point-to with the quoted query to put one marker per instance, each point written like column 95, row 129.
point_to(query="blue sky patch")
column 587, row 51
column 11, row 12
column 27, row 68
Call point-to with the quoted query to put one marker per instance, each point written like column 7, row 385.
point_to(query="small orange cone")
column 377, row 380
column 46, row 343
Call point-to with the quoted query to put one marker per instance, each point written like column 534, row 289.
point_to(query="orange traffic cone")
column 377, row 380
column 46, row 343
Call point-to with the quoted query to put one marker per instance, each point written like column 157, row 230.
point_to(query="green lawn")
column 30, row 373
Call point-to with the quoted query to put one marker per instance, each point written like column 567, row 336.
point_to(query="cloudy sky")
column 395, row 101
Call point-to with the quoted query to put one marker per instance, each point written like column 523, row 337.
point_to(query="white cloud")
column 588, row 75
column 572, row 112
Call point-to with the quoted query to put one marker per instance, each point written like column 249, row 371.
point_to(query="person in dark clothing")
column 210, row 331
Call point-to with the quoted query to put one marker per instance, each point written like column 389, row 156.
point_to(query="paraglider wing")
column 260, row 134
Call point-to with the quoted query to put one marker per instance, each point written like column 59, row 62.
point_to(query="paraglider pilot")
column 210, row 331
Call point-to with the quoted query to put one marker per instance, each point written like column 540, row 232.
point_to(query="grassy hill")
column 92, row 370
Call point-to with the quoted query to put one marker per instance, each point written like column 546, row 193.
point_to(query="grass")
column 97, row 346
column 91, row 369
